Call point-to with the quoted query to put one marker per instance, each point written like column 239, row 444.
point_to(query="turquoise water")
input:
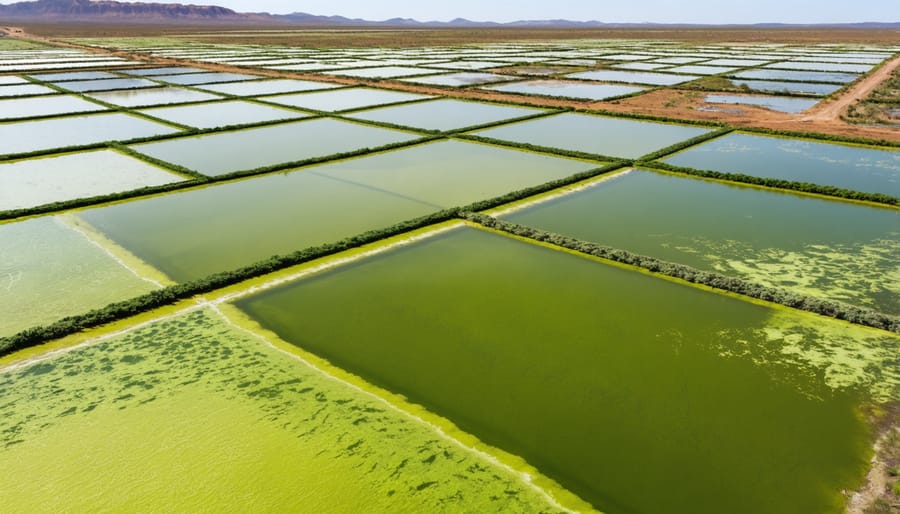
column 638, row 394
column 851, row 167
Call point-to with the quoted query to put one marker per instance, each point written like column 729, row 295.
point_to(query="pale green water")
column 568, row 89
column 344, row 99
column 222, row 114
column 191, row 234
column 822, row 248
column 45, row 106
column 34, row 182
column 227, row 152
column 595, row 134
column 30, row 136
column 639, row 394
column 191, row 415
column 850, row 167
column 445, row 114
column 152, row 96
column 49, row 271
column 267, row 87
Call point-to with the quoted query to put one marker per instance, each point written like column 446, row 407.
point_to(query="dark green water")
column 850, row 167
column 639, row 394
column 843, row 251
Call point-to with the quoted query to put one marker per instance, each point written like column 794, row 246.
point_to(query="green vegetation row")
column 172, row 294
column 198, row 179
column 166, row 296
column 677, row 147
column 821, row 137
column 538, row 148
column 776, row 183
column 740, row 286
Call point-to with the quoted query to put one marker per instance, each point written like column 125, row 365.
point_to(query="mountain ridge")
column 148, row 12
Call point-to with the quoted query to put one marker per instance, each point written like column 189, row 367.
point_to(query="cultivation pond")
column 45, row 106
column 49, row 271
column 153, row 96
column 191, row 234
column 808, row 88
column 823, row 66
column 74, row 75
column 775, row 103
column 222, row 114
column 807, row 76
column 633, row 77
column 85, row 86
column 267, row 87
column 24, row 90
column 445, row 114
column 41, row 181
column 193, row 414
column 569, row 89
column 595, row 134
column 30, row 136
column 612, row 382
column 227, row 152
column 344, row 99
column 382, row 72
column 149, row 72
column 191, row 79
column 461, row 79
column 822, row 248
column 850, row 167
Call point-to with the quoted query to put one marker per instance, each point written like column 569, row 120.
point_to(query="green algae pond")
column 193, row 413
column 635, row 384
column 49, row 270
column 823, row 248
column 191, row 234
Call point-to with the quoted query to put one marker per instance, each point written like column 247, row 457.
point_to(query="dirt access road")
column 824, row 118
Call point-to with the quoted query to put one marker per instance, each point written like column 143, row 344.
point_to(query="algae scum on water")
column 195, row 414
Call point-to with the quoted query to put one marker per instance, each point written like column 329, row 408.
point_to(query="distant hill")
column 60, row 11
column 109, row 10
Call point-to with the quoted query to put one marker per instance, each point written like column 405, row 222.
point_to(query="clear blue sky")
column 661, row 11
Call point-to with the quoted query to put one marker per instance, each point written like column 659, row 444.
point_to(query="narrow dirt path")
column 832, row 109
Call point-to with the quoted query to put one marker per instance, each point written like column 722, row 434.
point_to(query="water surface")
column 858, row 168
column 570, row 89
column 226, row 152
column 557, row 358
column 222, row 114
column 444, row 114
column 616, row 137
